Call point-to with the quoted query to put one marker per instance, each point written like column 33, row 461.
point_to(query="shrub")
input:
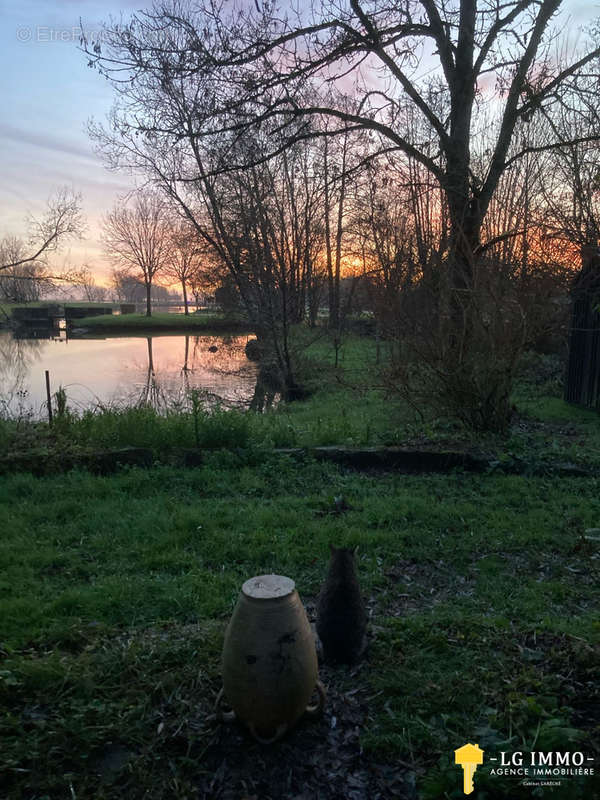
column 456, row 351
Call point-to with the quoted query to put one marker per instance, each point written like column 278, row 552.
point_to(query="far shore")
column 173, row 322
column 163, row 321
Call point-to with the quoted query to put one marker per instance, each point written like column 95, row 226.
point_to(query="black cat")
column 341, row 614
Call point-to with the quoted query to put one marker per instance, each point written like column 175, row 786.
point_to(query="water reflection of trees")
column 17, row 357
column 266, row 392
column 151, row 391
column 222, row 377
column 186, row 356
column 162, row 389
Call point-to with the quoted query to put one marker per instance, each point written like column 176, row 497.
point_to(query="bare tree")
column 208, row 276
column 120, row 281
column 185, row 259
column 572, row 180
column 23, row 283
column 427, row 75
column 136, row 237
column 198, row 288
column 85, row 279
column 334, row 191
column 255, row 68
column 24, row 273
column 61, row 221
column 257, row 222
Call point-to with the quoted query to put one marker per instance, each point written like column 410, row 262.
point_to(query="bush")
column 456, row 351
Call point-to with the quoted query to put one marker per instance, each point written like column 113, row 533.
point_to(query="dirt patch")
column 318, row 760
column 424, row 585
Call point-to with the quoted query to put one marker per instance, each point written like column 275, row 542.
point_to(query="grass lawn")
column 162, row 321
column 483, row 595
column 159, row 321
column 482, row 590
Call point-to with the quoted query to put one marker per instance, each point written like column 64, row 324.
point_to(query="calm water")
column 123, row 370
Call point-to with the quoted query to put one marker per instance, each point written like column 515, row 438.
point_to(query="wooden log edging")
column 384, row 459
column 400, row 459
column 101, row 462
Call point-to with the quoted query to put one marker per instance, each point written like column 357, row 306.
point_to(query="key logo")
column 469, row 757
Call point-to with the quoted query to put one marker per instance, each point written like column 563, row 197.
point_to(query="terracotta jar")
column 269, row 662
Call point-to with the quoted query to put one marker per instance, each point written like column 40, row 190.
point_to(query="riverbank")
column 6, row 309
column 342, row 410
column 164, row 322
column 159, row 321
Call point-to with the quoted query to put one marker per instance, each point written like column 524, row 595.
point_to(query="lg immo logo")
column 469, row 757
column 537, row 768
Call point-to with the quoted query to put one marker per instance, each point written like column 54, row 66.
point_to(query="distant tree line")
column 125, row 288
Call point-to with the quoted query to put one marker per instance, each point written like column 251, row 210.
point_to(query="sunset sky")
column 48, row 96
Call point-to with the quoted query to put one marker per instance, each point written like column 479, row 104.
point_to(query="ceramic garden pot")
column 269, row 662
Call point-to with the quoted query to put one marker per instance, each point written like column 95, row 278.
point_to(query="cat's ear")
column 355, row 551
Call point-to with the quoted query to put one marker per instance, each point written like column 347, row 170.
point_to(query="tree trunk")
column 333, row 309
column 185, row 367
column 148, row 298
column 185, row 298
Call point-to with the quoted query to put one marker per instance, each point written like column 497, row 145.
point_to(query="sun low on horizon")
column 50, row 94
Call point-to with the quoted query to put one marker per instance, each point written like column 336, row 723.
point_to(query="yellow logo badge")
column 469, row 757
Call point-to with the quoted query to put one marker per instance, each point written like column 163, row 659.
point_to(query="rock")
column 253, row 350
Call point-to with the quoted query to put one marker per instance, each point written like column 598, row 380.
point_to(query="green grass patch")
column 115, row 592
column 163, row 321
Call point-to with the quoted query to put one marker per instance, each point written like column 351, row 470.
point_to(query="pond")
column 125, row 370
